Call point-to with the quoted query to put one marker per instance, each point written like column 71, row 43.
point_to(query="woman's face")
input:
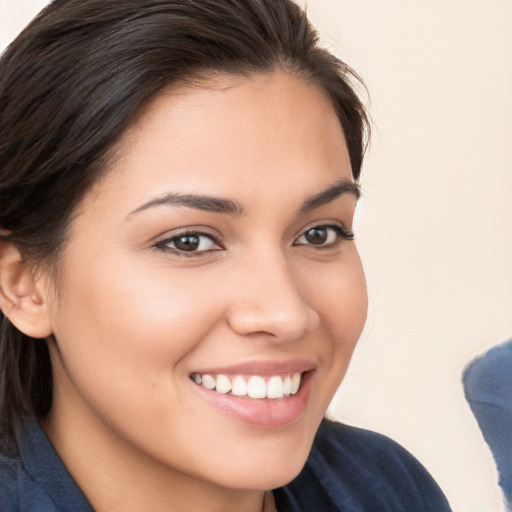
column 216, row 251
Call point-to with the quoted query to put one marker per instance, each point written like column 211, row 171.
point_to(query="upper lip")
column 263, row 368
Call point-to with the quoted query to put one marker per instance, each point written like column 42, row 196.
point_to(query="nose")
column 268, row 301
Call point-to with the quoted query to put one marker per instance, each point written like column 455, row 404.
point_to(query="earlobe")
column 22, row 296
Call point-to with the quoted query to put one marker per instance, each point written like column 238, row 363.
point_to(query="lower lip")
column 262, row 412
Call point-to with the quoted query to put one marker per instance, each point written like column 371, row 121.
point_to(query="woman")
column 180, row 288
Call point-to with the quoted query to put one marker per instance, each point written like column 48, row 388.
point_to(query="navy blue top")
column 349, row 469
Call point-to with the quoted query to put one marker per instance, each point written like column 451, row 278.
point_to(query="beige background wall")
column 435, row 223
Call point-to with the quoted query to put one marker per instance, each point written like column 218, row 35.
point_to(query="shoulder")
column 36, row 480
column 371, row 455
column 20, row 491
column 9, row 473
column 355, row 469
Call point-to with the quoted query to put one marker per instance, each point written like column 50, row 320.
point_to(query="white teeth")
column 295, row 383
column 208, row 382
column 239, row 387
column 255, row 387
column 223, row 384
column 275, row 387
column 287, row 386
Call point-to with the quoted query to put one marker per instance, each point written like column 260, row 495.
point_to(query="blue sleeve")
column 488, row 388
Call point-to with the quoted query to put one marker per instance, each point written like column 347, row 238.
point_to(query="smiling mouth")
column 251, row 386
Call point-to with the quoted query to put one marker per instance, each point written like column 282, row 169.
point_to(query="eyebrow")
column 230, row 207
column 198, row 202
column 340, row 188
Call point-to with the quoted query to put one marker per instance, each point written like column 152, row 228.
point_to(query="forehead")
column 237, row 134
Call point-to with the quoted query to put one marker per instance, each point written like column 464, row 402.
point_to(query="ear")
column 22, row 297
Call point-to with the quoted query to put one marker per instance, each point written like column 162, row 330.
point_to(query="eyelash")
column 341, row 233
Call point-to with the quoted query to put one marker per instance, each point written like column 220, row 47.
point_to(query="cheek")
column 349, row 307
column 127, row 320
column 342, row 303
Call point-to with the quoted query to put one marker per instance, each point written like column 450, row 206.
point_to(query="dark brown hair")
column 72, row 82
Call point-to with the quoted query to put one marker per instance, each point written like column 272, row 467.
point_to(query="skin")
column 132, row 321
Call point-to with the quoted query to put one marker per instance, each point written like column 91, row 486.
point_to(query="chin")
column 268, row 467
column 268, row 477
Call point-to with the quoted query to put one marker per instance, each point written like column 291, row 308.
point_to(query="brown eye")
column 324, row 236
column 189, row 243
column 316, row 236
